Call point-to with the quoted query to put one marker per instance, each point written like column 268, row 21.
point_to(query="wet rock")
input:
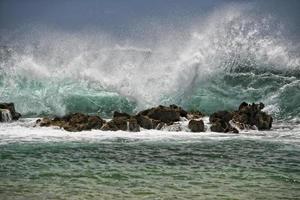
column 144, row 121
column 73, row 122
column 123, row 122
column 164, row 114
column 11, row 107
column 221, row 122
column 196, row 125
column 225, row 116
column 178, row 109
column 118, row 114
column 250, row 115
column 148, row 123
column 194, row 115
column 263, row 121
column 133, row 125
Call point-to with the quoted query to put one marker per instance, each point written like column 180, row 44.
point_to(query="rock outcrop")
column 248, row 116
column 164, row 114
column 196, row 125
column 172, row 118
column 8, row 112
column 123, row 122
column 73, row 122
column 220, row 122
column 252, row 115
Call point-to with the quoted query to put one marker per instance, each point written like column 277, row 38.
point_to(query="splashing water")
column 233, row 57
column 5, row 115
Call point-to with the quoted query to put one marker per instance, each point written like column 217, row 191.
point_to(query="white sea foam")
column 24, row 132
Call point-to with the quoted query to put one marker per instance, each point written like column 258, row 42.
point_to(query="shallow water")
column 47, row 163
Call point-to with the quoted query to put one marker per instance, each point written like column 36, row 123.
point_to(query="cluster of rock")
column 8, row 112
column 248, row 116
column 153, row 118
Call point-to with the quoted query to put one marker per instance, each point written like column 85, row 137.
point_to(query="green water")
column 137, row 169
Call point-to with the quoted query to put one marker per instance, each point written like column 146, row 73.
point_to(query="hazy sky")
column 118, row 16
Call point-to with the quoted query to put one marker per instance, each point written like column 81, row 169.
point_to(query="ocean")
column 233, row 56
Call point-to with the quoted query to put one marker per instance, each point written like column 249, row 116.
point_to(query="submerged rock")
column 8, row 112
column 196, row 125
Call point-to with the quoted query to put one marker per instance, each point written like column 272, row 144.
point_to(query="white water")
column 52, row 65
column 23, row 131
column 6, row 115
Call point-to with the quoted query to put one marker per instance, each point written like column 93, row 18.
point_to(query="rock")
column 118, row 114
column 163, row 114
column 194, row 115
column 73, row 122
column 221, row 122
column 196, row 125
column 122, row 122
column 147, row 123
column 144, row 121
column 250, row 115
column 176, row 108
column 133, row 125
column 225, row 116
column 11, row 107
column 263, row 121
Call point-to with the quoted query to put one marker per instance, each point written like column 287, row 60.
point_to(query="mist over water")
column 228, row 56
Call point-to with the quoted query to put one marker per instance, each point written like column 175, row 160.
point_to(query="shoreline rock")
column 248, row 116
column 8, row 112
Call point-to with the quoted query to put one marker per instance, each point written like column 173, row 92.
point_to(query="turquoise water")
column 192, row 167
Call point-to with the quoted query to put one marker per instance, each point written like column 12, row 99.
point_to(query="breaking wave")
column 229, row 57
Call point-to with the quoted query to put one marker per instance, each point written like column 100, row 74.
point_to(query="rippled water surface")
column 148, row 165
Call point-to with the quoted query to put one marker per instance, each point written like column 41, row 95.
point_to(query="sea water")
column 224, row 58
column 50, row 163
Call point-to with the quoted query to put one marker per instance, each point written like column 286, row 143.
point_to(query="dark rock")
column 221, row 122
column 133, row 125
column 217, row 126
column 164, row 114
column 146, row 122
column 250, row 115
column 221, row 115
column 176, row 108
column 263, row 121
column 11, row 107
column 122, row 123
column 118, row 114
column 73, row 122
column 247, row 116
column 196, row 125
column 194, row 115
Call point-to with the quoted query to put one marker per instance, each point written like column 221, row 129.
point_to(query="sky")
column 124, row 16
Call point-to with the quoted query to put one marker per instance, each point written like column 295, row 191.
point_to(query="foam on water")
column 25, row 132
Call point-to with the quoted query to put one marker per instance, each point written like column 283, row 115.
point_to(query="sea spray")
column 5, row 115
column 234, row 56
